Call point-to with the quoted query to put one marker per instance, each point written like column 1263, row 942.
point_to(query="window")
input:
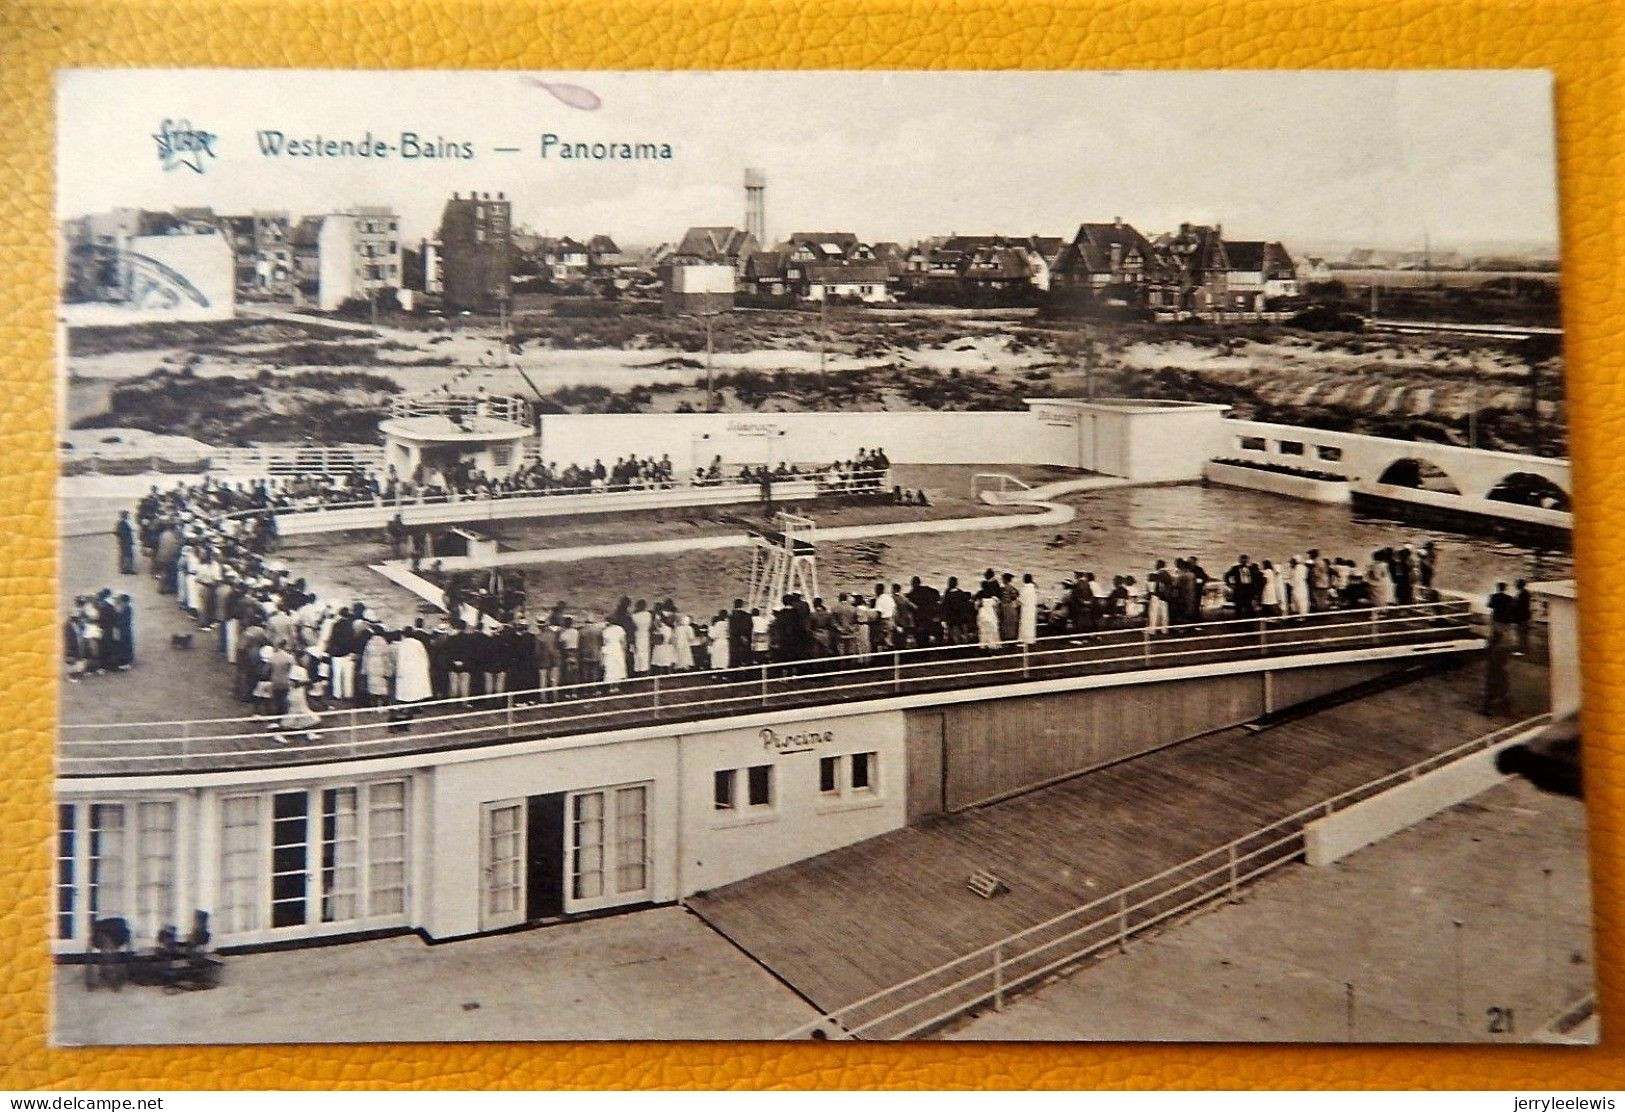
column 760, row 778
column 863, row 771
column 289, row 838
column 339, row 853
column 155, row 867
column 1327, row 452
column 386, row 848
column 852, row 774
column 1289, row 447
column 587, row 838
column 829, row 775
column 107, row 897
column 1253, row 444
column 608, row 845
column 65, row 840
column 631, row 839
column 723, row 786
column 239, row 905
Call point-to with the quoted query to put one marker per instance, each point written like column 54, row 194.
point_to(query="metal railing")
column 988, row 975
column 498, row 407
column 123, row 748
column 805, row 483
column 267, row 462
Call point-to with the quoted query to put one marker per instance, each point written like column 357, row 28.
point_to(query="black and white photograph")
column 1001, row 556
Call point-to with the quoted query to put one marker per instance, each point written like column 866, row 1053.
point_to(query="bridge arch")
column 1525, row 488
column 1417, row 473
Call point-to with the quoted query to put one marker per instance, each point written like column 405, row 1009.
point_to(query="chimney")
column 1117, row 221
column 501, row 196
column 455, row 196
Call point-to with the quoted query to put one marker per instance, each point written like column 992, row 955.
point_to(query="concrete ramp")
column 847, row 924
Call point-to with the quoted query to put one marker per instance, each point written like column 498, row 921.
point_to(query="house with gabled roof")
column 1260, row 272
column 715, row 245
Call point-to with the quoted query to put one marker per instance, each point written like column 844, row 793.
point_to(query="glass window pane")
column 339, row 852
column 289, row 847
column 241, row 880
column 761, row 785
column 107, row 861
column 631, row 839
column 155, row 867
column 65, row 841
column 386, row 846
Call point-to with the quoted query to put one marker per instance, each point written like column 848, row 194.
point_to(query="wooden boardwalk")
column 846, row 924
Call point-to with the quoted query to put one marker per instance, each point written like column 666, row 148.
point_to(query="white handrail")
column 506, row 716
column 1231, row 852
column 1066, row 643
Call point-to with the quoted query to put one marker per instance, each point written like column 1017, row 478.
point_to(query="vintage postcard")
column 764, row 555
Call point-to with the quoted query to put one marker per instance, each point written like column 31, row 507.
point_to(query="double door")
column 544, row 856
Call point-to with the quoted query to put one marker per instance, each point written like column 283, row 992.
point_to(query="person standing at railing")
column 1270, row 596
column 958, row 613
column 642, row 638
column 412, row 680
column 987, row 623
column 1242, row 579
column 843, row 626
column 547, row 658
column 569, row 656
column 377, row 668
column 1159, row 593
column 905, row 624
column 124, row 536
column 1523, row 607
column 1378, row 579
column 867, row 619
column 926, row 601
column 1503, row 609
column 614, row 656
column 1187, row 598
column 589, row 648
column 1027, row 598
column 883, row 630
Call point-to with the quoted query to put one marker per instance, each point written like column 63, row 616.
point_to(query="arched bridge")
column 1533, row 489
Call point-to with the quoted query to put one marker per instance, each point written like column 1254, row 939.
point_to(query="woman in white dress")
column 642, row 631
column 987, row 623
column 664, row 656
column 1379, row 580
column 865, row 618
column 1299, row 572
column 299, row 717
column 682, row 643
column 1027, row 598
column 614, row 653
column 1269, row 599
column 719, row 642
column 412, row 682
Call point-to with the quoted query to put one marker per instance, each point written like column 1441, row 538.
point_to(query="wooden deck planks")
column 848, row 923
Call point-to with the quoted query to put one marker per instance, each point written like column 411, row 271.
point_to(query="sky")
column 1463, row 158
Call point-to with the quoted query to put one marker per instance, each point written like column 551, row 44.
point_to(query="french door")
column 607, row 847
column 502, row 859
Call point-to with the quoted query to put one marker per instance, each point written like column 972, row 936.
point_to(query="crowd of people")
column 866, row 472
column 210, row 545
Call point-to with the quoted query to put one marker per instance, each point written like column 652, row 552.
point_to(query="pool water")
column 1120, row 531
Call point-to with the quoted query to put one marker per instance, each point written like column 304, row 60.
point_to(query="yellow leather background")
column 1581, row 41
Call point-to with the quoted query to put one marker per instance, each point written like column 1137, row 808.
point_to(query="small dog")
column 180, row 640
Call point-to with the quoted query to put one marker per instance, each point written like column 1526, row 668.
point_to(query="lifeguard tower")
column 783, row 561
column 442, row 438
